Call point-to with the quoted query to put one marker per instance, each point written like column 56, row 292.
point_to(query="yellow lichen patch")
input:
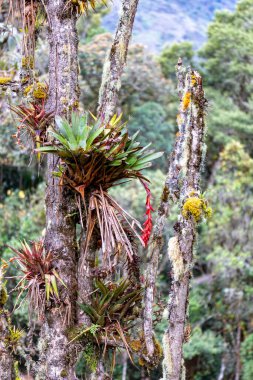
column 136, row 345
column 186, row 100
column 176, row 258
column 193, row 80
column 5, row 80
column 27, row 90
column 40, row 91
column 197, row 208
column 27, row 62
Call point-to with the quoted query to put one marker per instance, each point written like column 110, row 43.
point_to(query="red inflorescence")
column 148, row 223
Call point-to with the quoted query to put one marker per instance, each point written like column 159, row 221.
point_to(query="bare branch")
column 116, row 60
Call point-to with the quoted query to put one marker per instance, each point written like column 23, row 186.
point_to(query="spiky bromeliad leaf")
column 39, row 276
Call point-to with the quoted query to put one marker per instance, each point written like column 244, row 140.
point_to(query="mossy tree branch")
column 184, row 183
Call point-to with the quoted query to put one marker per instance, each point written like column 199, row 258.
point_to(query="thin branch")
column 116, row 60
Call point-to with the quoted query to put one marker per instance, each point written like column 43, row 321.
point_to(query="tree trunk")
column 184, row 183
column 57, row 358
column 6, row 359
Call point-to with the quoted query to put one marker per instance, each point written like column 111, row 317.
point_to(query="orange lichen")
column 186, row 100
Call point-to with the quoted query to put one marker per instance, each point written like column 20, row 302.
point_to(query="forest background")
column 221, row 307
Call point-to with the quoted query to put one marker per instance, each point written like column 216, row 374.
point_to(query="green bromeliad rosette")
column 95, row 157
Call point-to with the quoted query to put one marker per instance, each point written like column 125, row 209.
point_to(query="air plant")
column 95, row 157
column 39, row 276
column 113, row 310
column 33, row 122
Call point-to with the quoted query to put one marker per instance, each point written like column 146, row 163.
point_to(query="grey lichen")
column 176, row 258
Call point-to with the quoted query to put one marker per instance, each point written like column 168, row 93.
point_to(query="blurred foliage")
column 228, row 53
column 169, row 57
column 247, row 357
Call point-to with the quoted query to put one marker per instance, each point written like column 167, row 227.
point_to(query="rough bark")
column 6, row 359
column 186, row 161
column 57, row 358
column 116, row 60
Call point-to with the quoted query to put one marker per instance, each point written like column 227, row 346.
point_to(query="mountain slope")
column 164, row 21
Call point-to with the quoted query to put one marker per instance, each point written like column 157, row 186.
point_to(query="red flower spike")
column 149, row 209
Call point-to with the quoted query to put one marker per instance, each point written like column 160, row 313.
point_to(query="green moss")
column 64, row 373
column 91, row 356
column 3, row 296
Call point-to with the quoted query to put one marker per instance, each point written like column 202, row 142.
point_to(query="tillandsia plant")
column 113, row 310
column 33, row 122
column 39, row 276
column 95, row 157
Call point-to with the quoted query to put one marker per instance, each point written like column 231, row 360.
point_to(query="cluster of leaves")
column 113, row 309
column 97, row 154
column 33, row 122
column 39, row 276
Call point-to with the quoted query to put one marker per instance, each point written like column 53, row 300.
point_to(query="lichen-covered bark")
column 6, row 359
column 57, row 357
column 151, row 273
column 115, row 62
column 185, row 169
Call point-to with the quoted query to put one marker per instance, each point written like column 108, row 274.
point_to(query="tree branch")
column 116, row 60
column 187, row 159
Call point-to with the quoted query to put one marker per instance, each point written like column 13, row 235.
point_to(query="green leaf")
column 54, row 286
column 93, row 135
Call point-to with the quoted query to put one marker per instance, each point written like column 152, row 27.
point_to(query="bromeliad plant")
column 113, row 309
column 33, row 122
column 39, row 276
column 95, row 157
